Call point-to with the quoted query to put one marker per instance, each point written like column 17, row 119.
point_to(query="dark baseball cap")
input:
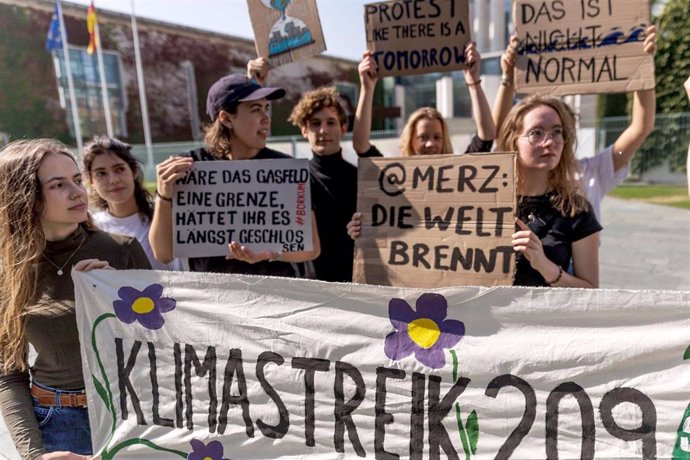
column 231, row 89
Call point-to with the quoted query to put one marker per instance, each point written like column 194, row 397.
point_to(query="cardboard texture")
column 286, row 30
column 582, row 47
column 417, row 37
column 264, row 205
column 436, row 221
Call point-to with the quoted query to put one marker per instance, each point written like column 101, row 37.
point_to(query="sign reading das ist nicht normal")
column 209, row 366
column 417, row 36
column 582, row 46
column 264, row 205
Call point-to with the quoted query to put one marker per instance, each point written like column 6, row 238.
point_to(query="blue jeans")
column 63, row 428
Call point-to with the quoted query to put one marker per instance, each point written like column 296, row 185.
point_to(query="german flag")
column 91, row 26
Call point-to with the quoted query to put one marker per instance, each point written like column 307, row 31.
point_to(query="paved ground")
column 643, row 247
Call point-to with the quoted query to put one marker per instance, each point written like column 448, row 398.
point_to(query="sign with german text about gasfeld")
column 417, row 36
column 263, row 205
column 582, row 46
column 435, row 221
column 286, row 30
column 212, row 366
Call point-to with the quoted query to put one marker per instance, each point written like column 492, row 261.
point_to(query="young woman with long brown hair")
column 45, row 232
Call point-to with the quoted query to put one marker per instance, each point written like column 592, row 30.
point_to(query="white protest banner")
column 436, row 220
column 416, row 37
column 196, row 365
column 286, row 30
column 579, row 47
column 264, row 205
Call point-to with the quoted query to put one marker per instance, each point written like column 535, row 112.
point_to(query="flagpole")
column 142, row 94
column 70, row 82
column 104, row 88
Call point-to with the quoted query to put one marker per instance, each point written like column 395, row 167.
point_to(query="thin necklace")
column 59, row 269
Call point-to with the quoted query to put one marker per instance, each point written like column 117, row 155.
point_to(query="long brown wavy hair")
column 101, row 145
column 565, row 188
column 22, row 241
column 425, row 113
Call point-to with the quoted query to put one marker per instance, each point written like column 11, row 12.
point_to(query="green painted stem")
column 109, row 404
column 461, row 429
column 110, row 454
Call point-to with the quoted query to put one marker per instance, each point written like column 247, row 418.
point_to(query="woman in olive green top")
column 45, row 232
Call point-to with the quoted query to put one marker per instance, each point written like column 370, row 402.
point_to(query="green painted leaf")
column 472, row 427
column 686, row 355
column 101, row 392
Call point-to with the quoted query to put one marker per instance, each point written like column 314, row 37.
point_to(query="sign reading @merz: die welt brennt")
column 264, row 205
column 582, row 46
column 436, row 220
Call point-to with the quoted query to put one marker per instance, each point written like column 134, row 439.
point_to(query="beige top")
column 51, row 328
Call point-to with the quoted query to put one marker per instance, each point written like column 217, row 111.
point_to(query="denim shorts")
column 63, row 428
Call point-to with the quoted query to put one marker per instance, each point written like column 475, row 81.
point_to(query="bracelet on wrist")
column 164, row 198
column 474, row 83
column 506, row 80
column 558, row 278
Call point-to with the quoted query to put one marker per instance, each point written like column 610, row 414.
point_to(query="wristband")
column 169, row 200
column 506, row 80
column 558, row 278
column 478, row 82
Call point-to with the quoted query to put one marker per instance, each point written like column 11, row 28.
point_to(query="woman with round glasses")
column 556, row 222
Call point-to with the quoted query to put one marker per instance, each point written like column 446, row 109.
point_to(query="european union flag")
column 54, row 37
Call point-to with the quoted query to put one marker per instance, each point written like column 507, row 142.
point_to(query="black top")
column 476, row 146
column 334, row 198
column 220, row 264
column 556, row 232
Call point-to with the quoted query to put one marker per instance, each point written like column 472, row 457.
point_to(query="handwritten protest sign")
column 264, row 205
column 578, row 47
column 286, row 30
column 249, row 367
column 432, row 221
column 419, row 36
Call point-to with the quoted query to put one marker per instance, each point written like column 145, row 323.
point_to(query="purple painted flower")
column 146, row 306
column 211, row 451
column 425, row 332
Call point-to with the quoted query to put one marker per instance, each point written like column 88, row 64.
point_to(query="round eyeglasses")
column 538, row 136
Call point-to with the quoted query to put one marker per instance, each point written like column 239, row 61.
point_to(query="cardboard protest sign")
column 200, row 365
column 286, row 30
column 433, row 221
column 264, row 205
column 417, row 37
column 579, row 47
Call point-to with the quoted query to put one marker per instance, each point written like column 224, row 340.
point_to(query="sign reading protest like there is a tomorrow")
column 433, row 221
column 264, row 205
column 417, row 36
column 286, row 31
column 199, row 365
column 582, row 46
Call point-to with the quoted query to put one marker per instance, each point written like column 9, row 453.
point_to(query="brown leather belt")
column 47, row 398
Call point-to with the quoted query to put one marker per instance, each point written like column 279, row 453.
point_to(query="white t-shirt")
column 599, row 177
column 133, row 226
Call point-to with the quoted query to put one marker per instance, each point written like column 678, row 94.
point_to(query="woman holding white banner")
column 426, row 131
column 239, row 109
column 45, row 232
column 123, row 205
column 606, row 170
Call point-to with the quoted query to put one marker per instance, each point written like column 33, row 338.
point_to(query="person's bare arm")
column 643, row 115
column 361, row 129
column 481, row 112
column 506, row 90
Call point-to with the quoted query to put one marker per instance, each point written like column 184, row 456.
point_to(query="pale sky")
column 342, row 20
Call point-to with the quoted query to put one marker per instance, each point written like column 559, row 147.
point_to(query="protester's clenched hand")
column 474, row 61
column 169, row 171
column 525, row 241
column 368, row 70
column 509, row 58
column 650, row 41
column 354, row 227
column 257, row 69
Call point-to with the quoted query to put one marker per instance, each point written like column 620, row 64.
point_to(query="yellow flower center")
column 208, row 458
column 424, row 332
column 143, row 305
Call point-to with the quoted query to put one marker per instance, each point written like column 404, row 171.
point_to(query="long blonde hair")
column 22, row 241
column 408, row 133
column 562, row 181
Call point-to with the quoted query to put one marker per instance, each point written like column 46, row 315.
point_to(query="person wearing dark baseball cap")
column 239, row 112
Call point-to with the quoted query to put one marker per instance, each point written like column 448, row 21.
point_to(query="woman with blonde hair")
column 556, row 222
column 45, row 232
